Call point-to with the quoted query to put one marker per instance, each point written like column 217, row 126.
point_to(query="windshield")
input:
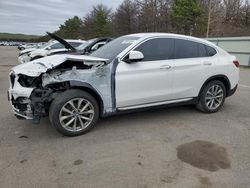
column 114, row 48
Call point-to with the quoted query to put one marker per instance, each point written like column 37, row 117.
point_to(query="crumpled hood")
column 37, row 67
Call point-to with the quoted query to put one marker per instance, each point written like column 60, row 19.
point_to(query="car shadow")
column 45, row 130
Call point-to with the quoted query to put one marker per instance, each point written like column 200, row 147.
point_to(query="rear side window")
column 186, row 49
column 157, row 49
column 210, row 51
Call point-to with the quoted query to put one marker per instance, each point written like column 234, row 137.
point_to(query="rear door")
column 147, row 81
column 192, row 66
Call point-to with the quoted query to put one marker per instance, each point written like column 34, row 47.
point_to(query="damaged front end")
column 28, row 98
column 34, row 85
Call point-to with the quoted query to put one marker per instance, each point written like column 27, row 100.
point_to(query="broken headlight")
column 27, row 81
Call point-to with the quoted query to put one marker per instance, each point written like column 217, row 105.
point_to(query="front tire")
column 212, row 97
column 74, row 112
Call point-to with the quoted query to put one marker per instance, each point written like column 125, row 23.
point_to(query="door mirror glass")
column 135, row 56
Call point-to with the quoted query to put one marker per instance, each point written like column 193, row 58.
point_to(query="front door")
column 147, row 81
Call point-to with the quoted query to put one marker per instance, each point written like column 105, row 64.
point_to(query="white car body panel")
column 149, row 82
column 190, row 74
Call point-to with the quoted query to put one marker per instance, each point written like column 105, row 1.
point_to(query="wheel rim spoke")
column 74, row 126
column 85, row 118
column 88, row 112
column 72, row 105
column 67, row 110
column 85, row 107
column 81, row 122
column 79, row 104
column 66, row 117
column 69, row 122
column 219, row 96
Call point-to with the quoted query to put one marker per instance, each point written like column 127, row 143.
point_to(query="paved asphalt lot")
column 175, row 147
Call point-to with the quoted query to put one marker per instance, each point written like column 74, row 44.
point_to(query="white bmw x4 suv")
column 132, row 72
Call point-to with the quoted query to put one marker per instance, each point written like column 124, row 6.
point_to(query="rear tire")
column 74, row 112
column 212, row 97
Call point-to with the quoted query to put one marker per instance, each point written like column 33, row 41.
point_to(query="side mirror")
column 135, row 56
column 48, row 48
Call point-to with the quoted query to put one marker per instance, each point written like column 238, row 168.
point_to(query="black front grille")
column 12, row 79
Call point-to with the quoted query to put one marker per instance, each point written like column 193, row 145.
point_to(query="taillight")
column 236, row 63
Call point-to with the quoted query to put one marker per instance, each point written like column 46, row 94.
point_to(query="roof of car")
column 147, row 35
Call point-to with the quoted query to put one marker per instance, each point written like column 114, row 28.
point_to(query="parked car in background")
column 9, row 43
column 132, row 72
column 27, row 46
column 50, row 48
column 62, row 46
column 93, row 45
column 85, row 48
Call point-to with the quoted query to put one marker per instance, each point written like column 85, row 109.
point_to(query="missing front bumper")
column 33, row 108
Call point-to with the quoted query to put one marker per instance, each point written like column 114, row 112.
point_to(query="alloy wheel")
column 76, row 114
column 214, row 97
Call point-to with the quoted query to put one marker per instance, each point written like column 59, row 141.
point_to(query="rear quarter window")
column 211, row 51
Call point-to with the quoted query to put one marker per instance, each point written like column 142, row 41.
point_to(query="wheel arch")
column 85, row 87
column 90, row 89
column 223, row 78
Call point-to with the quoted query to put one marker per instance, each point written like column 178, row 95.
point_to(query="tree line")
column 201, row 18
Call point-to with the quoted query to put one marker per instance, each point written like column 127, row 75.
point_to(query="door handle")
column 207, row 63
column 165, row 67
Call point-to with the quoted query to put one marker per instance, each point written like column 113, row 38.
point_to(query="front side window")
column 186, row 49
column 157, row 49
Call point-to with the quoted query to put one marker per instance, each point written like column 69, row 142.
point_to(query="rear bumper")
column 232, row 91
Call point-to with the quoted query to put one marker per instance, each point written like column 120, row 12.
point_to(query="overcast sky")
column 39, row 16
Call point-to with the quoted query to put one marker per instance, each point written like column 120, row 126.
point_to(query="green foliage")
column 185, row 14
column 72, row 28
column 176, row 16
column 102, row 26
column 17, row 37
column 98, row 22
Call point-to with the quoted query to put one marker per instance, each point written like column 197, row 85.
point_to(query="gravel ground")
column 174, row 147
